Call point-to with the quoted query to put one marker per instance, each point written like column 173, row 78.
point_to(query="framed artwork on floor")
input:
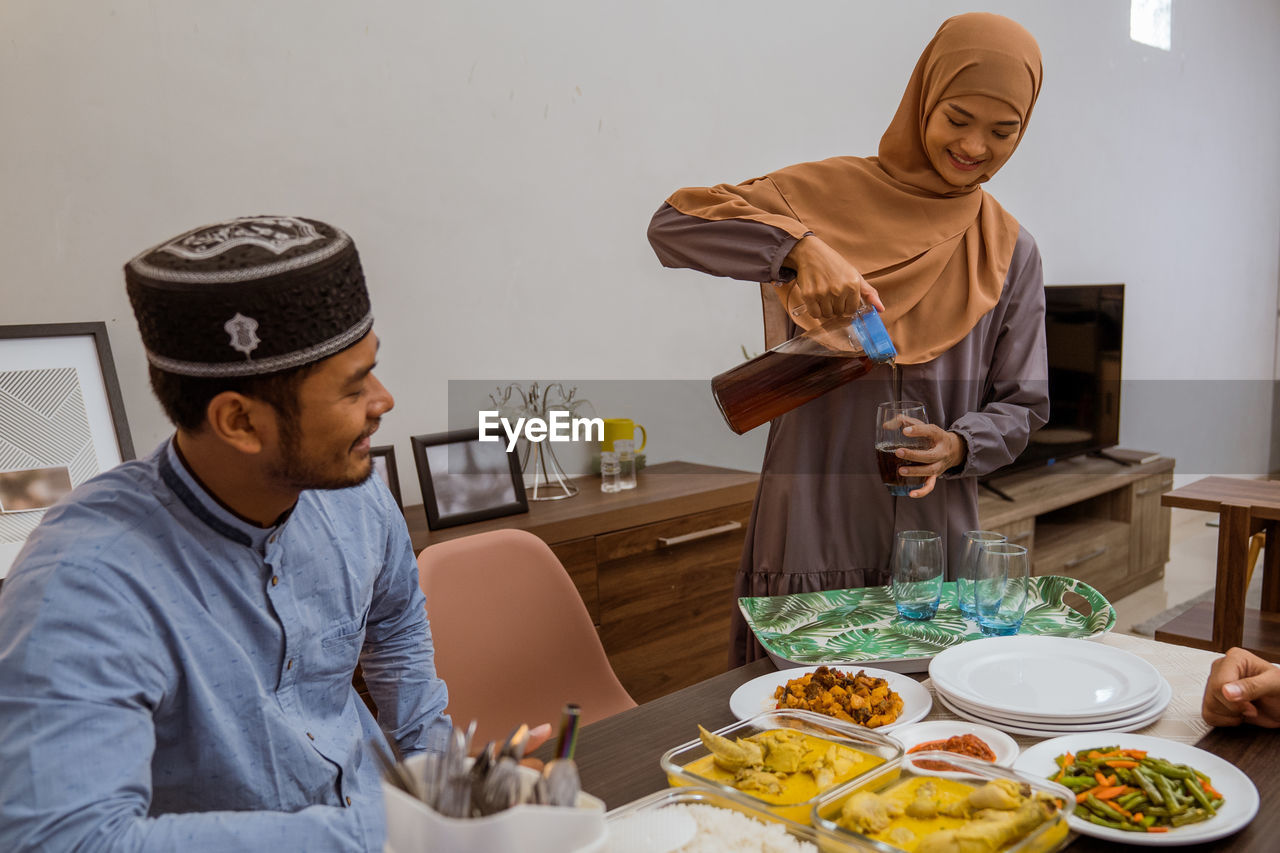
column 465, row 479
column 62, row 421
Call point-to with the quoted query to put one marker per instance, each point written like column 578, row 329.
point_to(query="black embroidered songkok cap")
column 255, row 295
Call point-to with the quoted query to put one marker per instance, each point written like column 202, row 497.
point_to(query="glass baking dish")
column 1049, row 836
column 881, row 750
column 698, row 796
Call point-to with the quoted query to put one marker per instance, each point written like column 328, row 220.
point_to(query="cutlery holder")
column 412, row 827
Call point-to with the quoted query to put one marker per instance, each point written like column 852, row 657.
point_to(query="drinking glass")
column 918, row 570
column 610, row 472
column 1001, row 587
column 890, row 420
column 626, row 450
column 968, row 568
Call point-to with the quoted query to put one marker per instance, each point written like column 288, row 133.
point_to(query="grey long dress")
column 822, row 518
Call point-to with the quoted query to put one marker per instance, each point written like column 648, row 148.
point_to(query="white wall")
column 497, row 163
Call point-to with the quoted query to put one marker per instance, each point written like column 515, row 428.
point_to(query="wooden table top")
column 1209, row 494
column 618, row 757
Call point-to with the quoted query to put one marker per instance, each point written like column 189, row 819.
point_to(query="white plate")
column 756, row 696
column 1029, row 729
column 1240, row 794
column 1143, row 716
column 1005, row 747
column 1049, row 679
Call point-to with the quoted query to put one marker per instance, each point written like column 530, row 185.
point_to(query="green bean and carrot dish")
column 1127, row 789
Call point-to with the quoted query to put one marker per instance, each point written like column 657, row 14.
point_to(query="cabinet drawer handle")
column 668, row 541
column 1026, row 534
column 1087, row 557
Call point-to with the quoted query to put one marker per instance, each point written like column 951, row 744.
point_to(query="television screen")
column 1084, row 327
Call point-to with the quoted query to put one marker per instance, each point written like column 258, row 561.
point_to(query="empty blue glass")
column 918, row 569
column 968, row 568
column 1001, row 588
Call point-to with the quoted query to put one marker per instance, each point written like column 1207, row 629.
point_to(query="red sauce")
column 966, row 744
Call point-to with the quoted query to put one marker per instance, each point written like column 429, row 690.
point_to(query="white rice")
column 727, row 831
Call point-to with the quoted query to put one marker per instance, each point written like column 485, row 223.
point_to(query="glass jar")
column 801, row 369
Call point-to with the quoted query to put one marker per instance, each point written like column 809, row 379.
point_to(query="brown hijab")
column 937, row 254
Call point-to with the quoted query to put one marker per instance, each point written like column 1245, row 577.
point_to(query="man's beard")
column 297, row 472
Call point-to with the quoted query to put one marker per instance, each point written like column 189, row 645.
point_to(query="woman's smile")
column 963, row 163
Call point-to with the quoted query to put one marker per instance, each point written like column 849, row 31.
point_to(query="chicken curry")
column 780, row 766
column 927, row 814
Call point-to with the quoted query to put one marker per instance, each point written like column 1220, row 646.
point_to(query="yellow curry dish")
column 782, row 768
column 929, row 814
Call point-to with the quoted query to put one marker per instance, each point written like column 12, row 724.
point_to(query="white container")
column 412, row 827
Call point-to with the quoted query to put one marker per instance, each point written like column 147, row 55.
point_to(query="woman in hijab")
column 959, row 285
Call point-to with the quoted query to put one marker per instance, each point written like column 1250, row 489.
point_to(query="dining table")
column 618, row 757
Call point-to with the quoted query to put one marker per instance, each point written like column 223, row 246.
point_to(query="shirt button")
column 272, row 539
column 289, row 665
column 310, row 735
column 348, row 801
column 275, row 579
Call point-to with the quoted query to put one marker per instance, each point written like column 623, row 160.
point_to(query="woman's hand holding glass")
column 935, row 451
column 943, row 451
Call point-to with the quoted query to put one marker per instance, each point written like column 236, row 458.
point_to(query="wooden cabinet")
column 1089, row 518
column 654, row 566
column 1021, row 532
column 666, row 596
column 1151, row 520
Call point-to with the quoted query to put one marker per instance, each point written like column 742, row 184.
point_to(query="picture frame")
column 465, row 479
column 60, row 380
column 384, row 465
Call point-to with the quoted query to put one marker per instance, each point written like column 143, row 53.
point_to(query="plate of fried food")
column 873, row 698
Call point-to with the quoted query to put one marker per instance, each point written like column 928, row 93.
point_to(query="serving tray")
column 862, row 625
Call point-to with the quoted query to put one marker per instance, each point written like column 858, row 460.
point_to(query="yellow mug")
column 621, row 429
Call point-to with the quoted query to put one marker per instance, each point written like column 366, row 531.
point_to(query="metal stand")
column 550, row 483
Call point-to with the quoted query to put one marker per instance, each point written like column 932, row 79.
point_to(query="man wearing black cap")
column 178, row 637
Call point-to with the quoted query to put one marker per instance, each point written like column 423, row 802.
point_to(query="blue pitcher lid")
column 872, row 336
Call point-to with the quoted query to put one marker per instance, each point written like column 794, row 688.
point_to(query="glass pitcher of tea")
column 802, row 368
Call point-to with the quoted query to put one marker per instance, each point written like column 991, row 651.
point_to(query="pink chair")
column 513, row 640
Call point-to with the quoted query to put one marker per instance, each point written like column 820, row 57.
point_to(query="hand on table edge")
column 1242, row 688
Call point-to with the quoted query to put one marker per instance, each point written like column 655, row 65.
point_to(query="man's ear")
column 241, row 422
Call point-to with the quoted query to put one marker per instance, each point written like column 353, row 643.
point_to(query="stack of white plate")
column 1049, row 686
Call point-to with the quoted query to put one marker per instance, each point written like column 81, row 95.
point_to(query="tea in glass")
column 891, row 419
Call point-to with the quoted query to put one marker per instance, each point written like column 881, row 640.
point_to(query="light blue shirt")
column 174, row 678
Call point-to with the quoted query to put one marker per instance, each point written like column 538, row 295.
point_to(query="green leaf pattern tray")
column 862, row 625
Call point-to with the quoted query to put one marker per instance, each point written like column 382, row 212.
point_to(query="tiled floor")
column 1193, row 554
